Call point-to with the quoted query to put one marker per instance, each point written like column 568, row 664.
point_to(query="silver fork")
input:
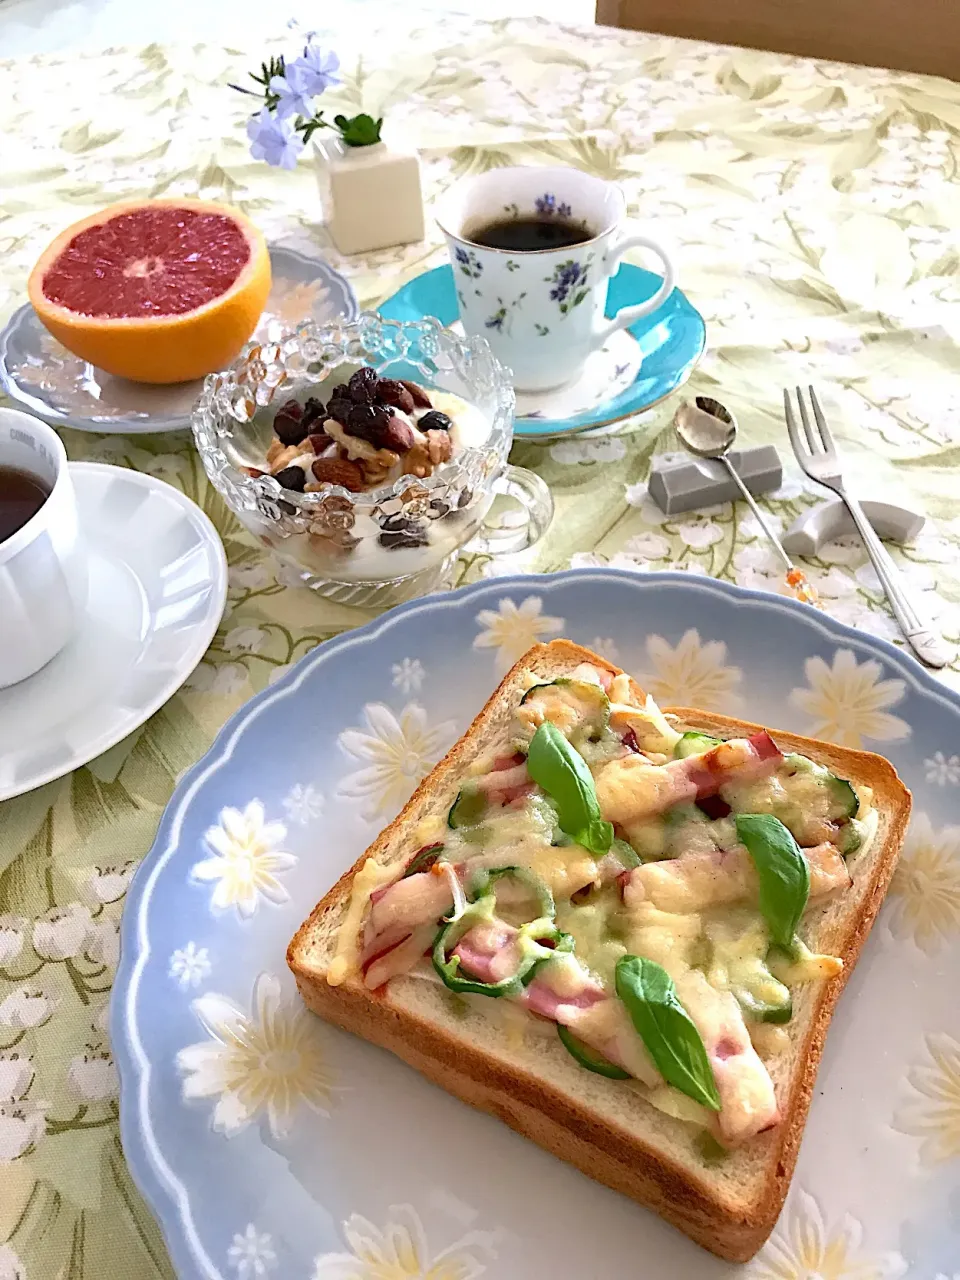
column 817, row 455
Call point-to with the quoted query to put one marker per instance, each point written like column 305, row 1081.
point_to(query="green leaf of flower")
column 359, row 131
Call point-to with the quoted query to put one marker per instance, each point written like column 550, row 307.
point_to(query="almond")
column 395, row 435
column 389, row 391
column 339, row 471
column 420, row 397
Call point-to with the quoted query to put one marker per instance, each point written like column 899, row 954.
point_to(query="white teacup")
column 542, row 310
column 43, row 569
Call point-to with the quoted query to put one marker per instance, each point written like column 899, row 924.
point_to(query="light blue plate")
column 42, row 376
column 225, row 1078
column 671, row 341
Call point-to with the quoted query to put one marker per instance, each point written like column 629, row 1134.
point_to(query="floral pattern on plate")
column 806, row 1245
column 268, row 1061
column 512, row 628
column 847, row 701
column 932, row 1112
column 925, row 892
column 691, row 673
column 399, row 1251
column 244, row 860
column 394, row 752
column 251, row 1253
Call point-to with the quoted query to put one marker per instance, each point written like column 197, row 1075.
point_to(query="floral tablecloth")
column 814, row 209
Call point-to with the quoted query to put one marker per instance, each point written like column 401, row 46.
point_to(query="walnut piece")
column 439, row 446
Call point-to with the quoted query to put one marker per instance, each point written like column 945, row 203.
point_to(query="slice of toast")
column 605, row 1127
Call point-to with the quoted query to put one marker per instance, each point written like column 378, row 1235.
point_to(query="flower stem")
column 76, row 977
column 21, row 977
column 77, row 1122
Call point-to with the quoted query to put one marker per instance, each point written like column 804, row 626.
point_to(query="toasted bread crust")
column 697, row 1202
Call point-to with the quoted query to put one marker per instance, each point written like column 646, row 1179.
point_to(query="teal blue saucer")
column 670, row 341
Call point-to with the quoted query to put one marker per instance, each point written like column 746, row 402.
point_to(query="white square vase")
column 371, row 196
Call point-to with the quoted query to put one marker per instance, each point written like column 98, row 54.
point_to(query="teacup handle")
column 627, row 316
column 534, row 497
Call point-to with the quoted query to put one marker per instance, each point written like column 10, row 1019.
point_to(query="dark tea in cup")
column 529, row 235
column 21, row 497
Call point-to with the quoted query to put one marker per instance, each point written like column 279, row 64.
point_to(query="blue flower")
column 273, row 140
column 545, row 204
column 293, row 100
column 462, row 256
column 564, row 210
column 565, row 278
column 315, row 71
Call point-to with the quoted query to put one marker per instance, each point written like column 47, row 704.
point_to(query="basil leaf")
column 562, row 772
column 667, row 1030
column 782, row 869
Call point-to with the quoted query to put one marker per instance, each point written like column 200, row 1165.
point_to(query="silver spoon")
column 709, row 429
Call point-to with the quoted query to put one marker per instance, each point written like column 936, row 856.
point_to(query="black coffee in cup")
column 527, row 235
column 21, row 497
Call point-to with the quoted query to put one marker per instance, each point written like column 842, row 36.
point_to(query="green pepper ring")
column 451, row 933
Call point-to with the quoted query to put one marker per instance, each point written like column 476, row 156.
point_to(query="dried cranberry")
column 395, row 393
column 362, row 420
column 435, row 421
column 630, row 740
column 288, row 423
column 420, row 397
column 314, row 411
column 363, row 385
column 292, row 478
column 339, row 410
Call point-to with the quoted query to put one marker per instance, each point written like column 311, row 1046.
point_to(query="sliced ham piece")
column 748, row 1103
column 399, row 959
column 698, row 880
column 541, row 998
column 418, row 899
column 630, row 789
column 489, row 952
column 605, row 1025
column 505, row 785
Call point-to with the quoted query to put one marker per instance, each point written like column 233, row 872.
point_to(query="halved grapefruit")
column 154, row 290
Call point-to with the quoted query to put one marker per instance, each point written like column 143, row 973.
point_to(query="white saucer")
column 158, row 583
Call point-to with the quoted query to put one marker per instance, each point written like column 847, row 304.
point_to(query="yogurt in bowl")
column 366, row 455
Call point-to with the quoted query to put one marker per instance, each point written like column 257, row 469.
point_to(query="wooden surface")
column 923, row 35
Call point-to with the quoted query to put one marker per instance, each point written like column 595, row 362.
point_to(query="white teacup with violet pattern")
column 542, row 310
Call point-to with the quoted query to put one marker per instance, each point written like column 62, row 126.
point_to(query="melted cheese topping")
column 694, row 923
column 346, row 958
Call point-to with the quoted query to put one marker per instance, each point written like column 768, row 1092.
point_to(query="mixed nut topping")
column 371, row 431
